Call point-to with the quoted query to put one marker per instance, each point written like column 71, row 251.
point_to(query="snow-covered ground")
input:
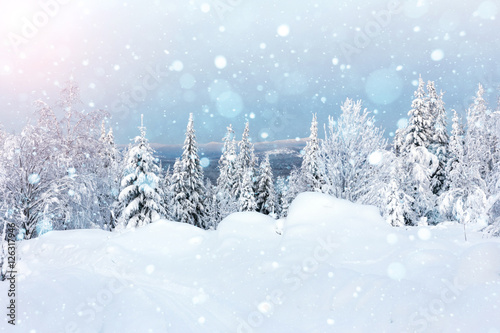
column 336, row 267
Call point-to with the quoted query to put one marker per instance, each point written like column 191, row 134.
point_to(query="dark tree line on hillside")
column 67, row 173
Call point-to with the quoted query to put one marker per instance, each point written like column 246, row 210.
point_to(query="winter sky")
column 227, row 61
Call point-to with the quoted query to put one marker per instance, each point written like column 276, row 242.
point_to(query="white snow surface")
column 336, row 267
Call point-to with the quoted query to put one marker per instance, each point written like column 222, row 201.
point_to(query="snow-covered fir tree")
column 464, row 199
column 455, row 148
column 397, row 204
column 141, row 196
column 109, row 176
column 280, row 188
column 228, row 180
column 245, row 162
column 212, row 218
column 193, row 180
column 478, row 139
column 168, row 195
column 311, row 170
column 247, row 201
column 266, row 197
column 440, row 140
column 227, row 162
column 180, row 206
column 419, row 130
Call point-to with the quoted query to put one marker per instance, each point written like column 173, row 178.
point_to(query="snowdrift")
column 335, row 267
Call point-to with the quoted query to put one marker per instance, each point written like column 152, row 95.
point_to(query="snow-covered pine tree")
column 397, row 204
column 212, row 218
column 417, row 162
column 266, row 197
column 311, row 170
column 109, row 176
column 180, row 206
column 228, row 177
column 141, row 195
column 227, row 162
column 419, row 130
column 477, row 137
column 280, row 189
column 455, row 147
column 247, row 201
column 464, row 199
column 194, row 180
column 168, row 196
column 440, row 140
column 245, row 162
column 398, row 142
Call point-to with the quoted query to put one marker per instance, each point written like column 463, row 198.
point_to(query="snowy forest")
column 67, row 173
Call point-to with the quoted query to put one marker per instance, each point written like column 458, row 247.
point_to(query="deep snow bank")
column 336, row 267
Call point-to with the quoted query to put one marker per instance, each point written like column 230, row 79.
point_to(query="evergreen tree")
column 247, row 195
column 311, row 170
column 168, row 196
column 141, row 195
column 456, row 147
column 228, row 180
column 440, row 140
column 180, row 205
column 266, row 197
column 280, row 189
column 212, row 206
column 419, row 131
column 245, row 162
column 477, row 138
column 465, row 198
column 397, row 203
column 227, row 162
column 193, row 178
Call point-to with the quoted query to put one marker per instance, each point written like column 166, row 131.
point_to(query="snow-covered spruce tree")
column 228, row 177
column 397, row 204
column 419, row 131
column 245, row 162
column 266, row 197
column 417, row 162
column 227, row 162
column 398, row 142
column 476, row 137
column 168, row 197
column 280, row 189
column 109, row 175
column 464, row 199
column 212, row 206
column 455, row 148
column 311, row 170
column 348, row 174
column 193, row 173
column 180, row 205
column 141, row 196
column 440, row 140
column 246, row 200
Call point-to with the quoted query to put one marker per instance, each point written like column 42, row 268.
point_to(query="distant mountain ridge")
column 284, row 155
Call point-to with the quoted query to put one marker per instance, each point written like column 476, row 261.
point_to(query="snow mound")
column 337, row 267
